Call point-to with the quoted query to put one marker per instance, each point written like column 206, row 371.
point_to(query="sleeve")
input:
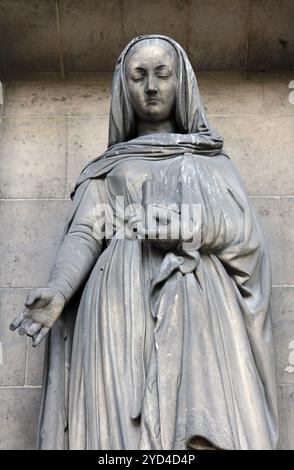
column 247, row 261
column 82, row 242
column 246, row 257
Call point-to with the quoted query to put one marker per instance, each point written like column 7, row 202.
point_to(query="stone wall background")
column 88, row 35
column 50, row 127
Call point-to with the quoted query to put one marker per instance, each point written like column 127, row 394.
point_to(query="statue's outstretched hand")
column 42, row 308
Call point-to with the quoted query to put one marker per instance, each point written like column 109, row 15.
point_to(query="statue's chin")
column 155, row 114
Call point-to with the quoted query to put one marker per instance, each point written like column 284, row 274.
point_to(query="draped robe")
column 163, row 349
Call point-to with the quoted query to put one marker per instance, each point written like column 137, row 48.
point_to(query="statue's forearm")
column 75, row 259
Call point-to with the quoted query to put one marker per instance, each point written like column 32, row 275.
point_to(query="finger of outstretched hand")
column 31, row 298
column 43, row 332
column 18, row 320
column 25, row 325
column 34, row 329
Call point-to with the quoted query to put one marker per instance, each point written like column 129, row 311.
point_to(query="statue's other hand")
column 42, row 308
column 162, row 227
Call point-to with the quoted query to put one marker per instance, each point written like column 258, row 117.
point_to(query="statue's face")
column 152, row 81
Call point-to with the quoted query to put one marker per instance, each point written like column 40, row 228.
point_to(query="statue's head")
column 154, row 81
column 151, row 76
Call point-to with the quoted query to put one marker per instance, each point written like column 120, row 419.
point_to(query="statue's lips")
column 153, row 101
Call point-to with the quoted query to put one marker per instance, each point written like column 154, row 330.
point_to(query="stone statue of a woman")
column 156, row 339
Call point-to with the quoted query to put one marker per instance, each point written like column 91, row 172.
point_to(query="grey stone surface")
column 276, row 93
column 231, row 34
column 213, row 25
column 13, row 347
column 54, row 96
column 29, row 233
column 287, row 236
column 269, row 217
column 33, row 157
column 282, row 302
column 271, row 39
column 28, row 36
column 19, row 418
column 283, row 435
column 87, row 138
column 35, row 363
column 92, row 35
column 230, row 93
column 261, row 146
column 150, row 17
column 284, row 346
column 288, row 392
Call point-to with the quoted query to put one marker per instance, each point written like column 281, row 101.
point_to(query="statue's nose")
column 151, row 87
